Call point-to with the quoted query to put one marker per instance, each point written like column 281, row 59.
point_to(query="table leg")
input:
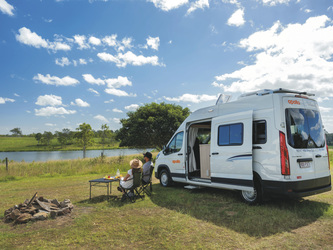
column 108, row 186
column 90, row 192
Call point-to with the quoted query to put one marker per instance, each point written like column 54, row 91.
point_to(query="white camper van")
column 266, row 143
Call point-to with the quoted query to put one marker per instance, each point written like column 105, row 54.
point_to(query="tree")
column 64, row 137
column 16, row 132
column 151, row 125
column 38, row 137
column 85, row 136
column 46, row 138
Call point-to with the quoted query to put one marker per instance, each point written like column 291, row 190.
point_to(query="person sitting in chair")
column 146, row 167
column 127, row 182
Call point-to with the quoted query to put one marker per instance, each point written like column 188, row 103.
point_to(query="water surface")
column 65, row 155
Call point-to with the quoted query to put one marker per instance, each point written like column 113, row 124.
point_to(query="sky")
column 68, row 62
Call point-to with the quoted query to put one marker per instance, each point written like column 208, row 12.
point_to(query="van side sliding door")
column 231, row 151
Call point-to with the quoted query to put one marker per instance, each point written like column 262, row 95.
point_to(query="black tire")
column 253, row 197
column 165, row 178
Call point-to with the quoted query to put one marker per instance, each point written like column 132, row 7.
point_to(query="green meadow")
column 28, row 143
column 172, row 218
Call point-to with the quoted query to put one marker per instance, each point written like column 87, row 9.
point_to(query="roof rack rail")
column 275, row 91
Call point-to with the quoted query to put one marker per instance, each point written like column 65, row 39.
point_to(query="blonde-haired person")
column 127, row 182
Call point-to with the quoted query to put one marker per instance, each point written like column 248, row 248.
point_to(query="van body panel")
column 231, row 162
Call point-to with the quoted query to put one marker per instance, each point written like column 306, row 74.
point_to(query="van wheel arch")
column 255, row 197
column 164, row 176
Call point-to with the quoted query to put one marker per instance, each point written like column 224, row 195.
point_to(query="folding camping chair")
column 147, row 183
column 133, row 193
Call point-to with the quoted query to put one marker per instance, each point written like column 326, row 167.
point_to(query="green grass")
column 8, row 144
column 172, row 218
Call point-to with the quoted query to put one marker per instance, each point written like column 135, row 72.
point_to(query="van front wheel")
column 252, row 197
column 165, row 178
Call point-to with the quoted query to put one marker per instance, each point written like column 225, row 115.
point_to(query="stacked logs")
column 37, row 209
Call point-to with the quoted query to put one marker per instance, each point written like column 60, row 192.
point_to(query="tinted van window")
column 304, row 128
column 230, row 134
column 176, row 143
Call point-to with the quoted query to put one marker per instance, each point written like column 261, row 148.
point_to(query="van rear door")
column 231, row 151
column 306, row 139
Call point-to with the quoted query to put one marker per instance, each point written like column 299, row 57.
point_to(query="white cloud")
column 54, row 80
column 50, row 111
column 118, row 92
column 117, row 110
column 237, row 18
column 116, row 120
column 118, row 82
column 64, row 61
column 6, row 8
column 153, row 42
column 93, row 91
column 101, row 118
column 82, row 61
column 167, row 5
column 109, row 101
column 297, row 56
column 4, row 100
column 49, row 100
column 274, row 2
column 81, row 41
column 199, row 4
column 192, row 98
column 132, row 107
column 90, row 79
column 111, row 40
column 121, row 60
column 95, row 41
column 79, row 102
column 50, row 124
column 27, row 37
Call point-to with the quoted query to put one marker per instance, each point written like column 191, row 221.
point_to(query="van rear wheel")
column 252, row 197
column 165, row 178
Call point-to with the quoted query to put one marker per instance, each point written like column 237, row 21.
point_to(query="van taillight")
column 328, row 155
column 284, row 155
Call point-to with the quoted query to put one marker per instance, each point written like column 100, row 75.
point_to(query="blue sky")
column 65, row 62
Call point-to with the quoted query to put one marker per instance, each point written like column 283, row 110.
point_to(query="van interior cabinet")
column 205, row 160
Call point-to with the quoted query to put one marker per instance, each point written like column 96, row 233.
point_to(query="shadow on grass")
column 225, row 208
column 113, row 200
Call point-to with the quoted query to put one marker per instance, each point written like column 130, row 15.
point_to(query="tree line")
column 152, row 125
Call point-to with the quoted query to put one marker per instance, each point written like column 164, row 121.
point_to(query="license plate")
column 304, row 164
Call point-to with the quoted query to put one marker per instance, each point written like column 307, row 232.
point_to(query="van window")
column 304, row 128
column 176, row 144
column 259, row 132
column 231, row 134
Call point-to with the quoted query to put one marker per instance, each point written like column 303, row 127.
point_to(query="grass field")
column 172, row 218
column 15, row 144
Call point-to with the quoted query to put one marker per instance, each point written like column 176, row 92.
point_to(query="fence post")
column 6, row 164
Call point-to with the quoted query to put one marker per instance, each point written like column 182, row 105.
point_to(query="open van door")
column 231, row 151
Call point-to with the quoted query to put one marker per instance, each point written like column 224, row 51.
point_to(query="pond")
column 65, row 155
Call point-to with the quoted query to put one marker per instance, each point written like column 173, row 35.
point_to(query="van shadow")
column 224, row 208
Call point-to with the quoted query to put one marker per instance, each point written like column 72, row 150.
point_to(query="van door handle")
column 180, row 154
column 215, row 153
column 257, row 147
column 318, row 156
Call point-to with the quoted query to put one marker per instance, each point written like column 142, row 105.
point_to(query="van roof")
column 275, row 91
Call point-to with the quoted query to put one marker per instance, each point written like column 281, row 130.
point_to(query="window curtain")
column 192, row 136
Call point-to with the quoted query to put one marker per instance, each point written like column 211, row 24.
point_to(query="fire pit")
column 37, row 209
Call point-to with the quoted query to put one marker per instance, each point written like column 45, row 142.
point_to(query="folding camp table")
column 101, row 182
